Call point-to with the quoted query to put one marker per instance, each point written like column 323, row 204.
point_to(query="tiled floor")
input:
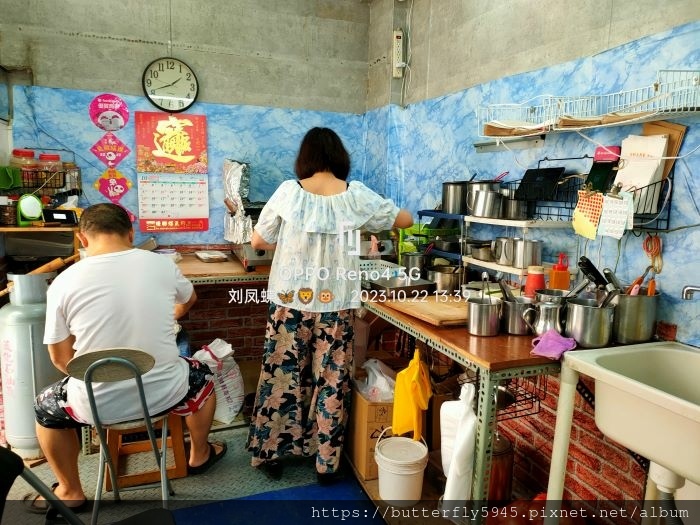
column 232, row 477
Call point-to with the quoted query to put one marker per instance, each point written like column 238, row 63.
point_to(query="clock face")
column 170, row 84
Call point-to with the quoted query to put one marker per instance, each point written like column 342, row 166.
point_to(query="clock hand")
column 168, row 85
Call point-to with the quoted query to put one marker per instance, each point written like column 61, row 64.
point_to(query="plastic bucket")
column 401, row 463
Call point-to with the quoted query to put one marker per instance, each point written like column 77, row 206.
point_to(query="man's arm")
column 182, row 309
column 62, row 352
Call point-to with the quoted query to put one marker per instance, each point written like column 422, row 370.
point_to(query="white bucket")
column 401, row 463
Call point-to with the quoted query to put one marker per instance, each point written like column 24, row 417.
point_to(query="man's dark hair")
column 322, row 150
column 105, row 218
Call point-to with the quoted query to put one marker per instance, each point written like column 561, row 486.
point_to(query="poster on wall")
column 167, row 143
column 110, row 150
column 171, row 161
column 108, row 112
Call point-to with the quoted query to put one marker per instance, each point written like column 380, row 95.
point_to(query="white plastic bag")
column 228, row 381
column 380, row 383
column 458, row 438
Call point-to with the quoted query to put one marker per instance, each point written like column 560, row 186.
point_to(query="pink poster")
column 110, row 150
column 113, row 185
column 109, row 112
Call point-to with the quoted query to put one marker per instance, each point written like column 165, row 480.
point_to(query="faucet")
column 687, row 292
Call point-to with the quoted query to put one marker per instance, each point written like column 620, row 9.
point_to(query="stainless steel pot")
column 414, row 262
column 454, row 197
column 527, row 253
column 486, row 204
column 635, row 317
column 483, row 315
column 447, row 279
column 514, row 209
column 480, row 186
column 589, row 324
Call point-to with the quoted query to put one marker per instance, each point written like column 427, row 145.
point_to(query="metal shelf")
column 524, row 224
column 521, row 272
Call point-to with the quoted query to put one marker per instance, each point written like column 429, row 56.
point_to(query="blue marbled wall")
column 406, row 153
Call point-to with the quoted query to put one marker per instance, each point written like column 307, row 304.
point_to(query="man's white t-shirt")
column 121, row 300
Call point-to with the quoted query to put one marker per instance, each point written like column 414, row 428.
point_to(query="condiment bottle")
column 559, row 278
column 534, row 280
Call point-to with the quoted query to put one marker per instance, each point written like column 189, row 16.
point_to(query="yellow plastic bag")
column 411, row 395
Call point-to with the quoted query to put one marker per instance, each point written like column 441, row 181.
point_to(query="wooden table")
column 495, row 359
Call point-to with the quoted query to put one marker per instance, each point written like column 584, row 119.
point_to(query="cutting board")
column 437, row 309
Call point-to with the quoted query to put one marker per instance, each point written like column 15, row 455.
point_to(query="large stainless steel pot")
column 480, row 186
column 454, row 197
column 589, row 324
column 635, row 317
column 486, row 204
column 447, row 279
column 483, row 315
column 513, row 320
column 414, row 262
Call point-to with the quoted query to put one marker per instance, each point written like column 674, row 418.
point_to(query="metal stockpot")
column 473, row 187
column 446, row 278
column 514, row 209
column 486, row 204
column 635, row 317
column 414, row 262
column 454, row 197
column 502, row 248
column 589, row 324
column 483, row 315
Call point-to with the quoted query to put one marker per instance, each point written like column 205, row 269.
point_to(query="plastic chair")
column 12, row 466
column 118, row 364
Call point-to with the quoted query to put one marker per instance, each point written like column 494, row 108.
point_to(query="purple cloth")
column 552, row 344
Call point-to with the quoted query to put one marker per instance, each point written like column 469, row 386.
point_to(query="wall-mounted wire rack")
column 675, row 93
column 517, row 396
column 56, row 185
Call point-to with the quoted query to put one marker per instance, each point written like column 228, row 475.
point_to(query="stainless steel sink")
column 648, row 399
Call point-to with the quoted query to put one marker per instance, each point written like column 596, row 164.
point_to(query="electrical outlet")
column 397, row 54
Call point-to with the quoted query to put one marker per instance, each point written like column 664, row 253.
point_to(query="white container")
column 26, row 365
column 401, row 463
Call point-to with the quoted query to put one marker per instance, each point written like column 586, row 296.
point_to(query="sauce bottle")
column 559, row 278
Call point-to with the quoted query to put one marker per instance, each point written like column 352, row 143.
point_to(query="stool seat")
column 120, row 447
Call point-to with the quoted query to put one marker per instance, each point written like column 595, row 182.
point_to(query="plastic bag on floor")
column 228, row 381
column 380, row 383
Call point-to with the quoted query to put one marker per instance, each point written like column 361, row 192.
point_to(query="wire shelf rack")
column 515, row 397
column 675, row 93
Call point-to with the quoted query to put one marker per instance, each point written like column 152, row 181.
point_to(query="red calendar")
column 173, row 202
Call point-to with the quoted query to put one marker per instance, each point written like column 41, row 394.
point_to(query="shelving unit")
column 524, row 225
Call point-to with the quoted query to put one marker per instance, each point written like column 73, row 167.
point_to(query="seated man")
column 118, row 297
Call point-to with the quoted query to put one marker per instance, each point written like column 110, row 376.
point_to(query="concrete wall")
column 309, row 54
column 316, row 54
column 456, row 44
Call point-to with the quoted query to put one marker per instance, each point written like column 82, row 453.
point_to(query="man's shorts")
column 51, row 410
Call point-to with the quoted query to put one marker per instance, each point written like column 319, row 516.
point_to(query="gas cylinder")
column 24, row 359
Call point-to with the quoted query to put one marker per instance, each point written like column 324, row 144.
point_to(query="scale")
column 249, row 256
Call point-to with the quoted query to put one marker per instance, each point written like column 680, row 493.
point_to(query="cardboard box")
column 367, row 420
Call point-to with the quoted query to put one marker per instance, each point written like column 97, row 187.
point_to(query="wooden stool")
column 118, row 450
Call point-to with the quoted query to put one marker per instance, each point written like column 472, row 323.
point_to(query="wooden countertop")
column 494, row 353
column 231, row 271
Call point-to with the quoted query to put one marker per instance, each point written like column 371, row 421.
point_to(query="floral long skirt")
column 303, row 394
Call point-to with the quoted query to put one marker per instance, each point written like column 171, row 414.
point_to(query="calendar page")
column 173, row 202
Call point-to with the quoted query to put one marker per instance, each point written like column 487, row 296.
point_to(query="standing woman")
column 304, row 388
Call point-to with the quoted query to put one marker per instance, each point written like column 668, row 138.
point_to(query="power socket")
column 397, row 54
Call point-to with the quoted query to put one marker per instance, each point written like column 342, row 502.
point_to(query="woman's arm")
column 259, row 243
column 403, row 220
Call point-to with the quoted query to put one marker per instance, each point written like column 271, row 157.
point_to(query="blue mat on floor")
column 343, row 500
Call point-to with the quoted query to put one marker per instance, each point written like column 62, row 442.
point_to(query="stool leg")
column 164, row 481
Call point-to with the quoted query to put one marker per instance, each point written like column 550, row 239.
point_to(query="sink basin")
column 647, row 398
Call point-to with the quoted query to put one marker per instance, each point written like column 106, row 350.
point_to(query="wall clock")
column 170, row 84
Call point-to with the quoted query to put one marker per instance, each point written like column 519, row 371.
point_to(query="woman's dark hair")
column 105, row 218
column 322, row 150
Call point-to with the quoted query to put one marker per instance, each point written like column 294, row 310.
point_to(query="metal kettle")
column 547, row 316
